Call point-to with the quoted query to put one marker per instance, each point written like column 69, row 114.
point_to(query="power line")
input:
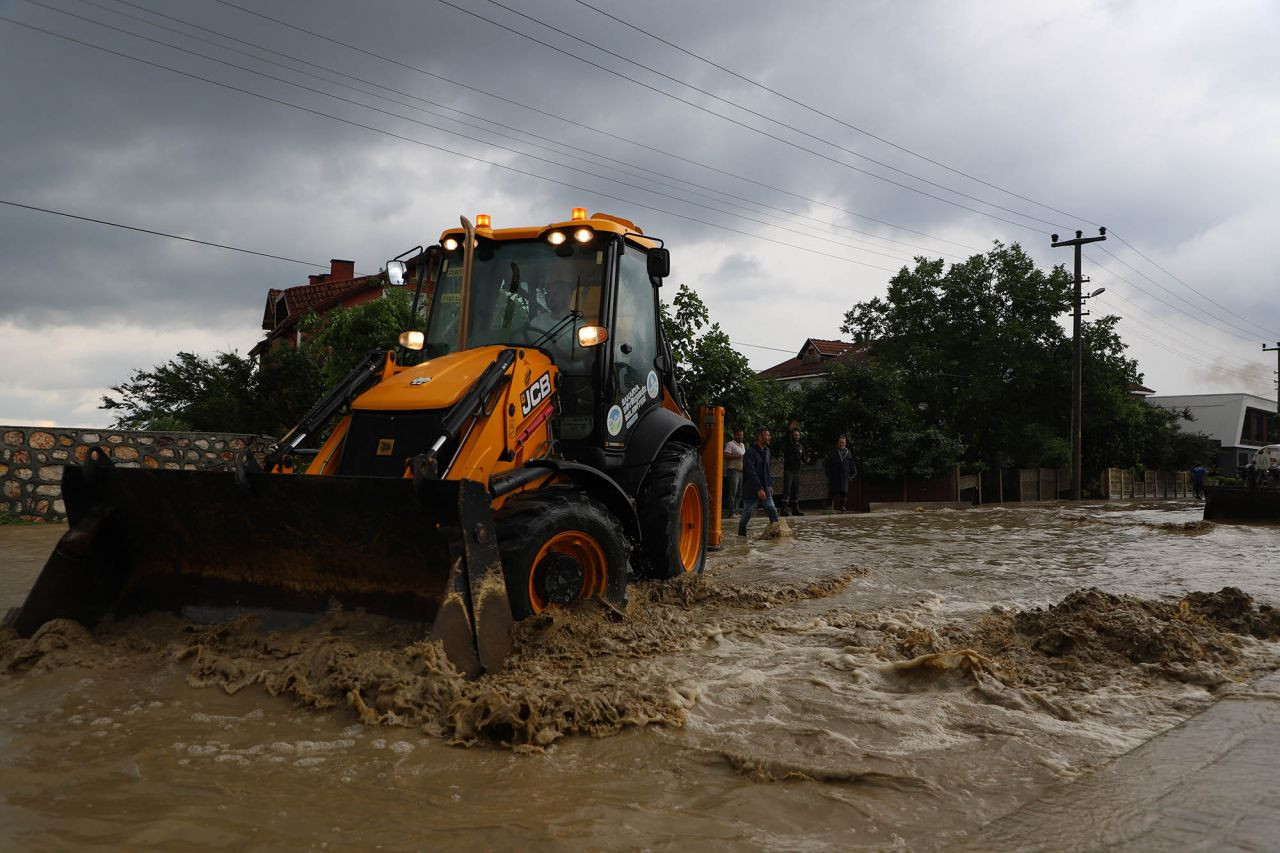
column 890, row 143
column 448, row 131
column 577, row 154
column 1183, row 333
column 760, row 346
column 731, row 120
column 423, row 143
column 1213, row 302
column 159, row 233
column 605, row 133
column 835, row 119
column 745, row 109
column 1164, row 344
column 1149, row 294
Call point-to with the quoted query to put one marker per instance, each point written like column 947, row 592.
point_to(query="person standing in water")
column 757, row 481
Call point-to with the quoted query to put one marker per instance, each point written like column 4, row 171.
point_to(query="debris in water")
column 776, row 530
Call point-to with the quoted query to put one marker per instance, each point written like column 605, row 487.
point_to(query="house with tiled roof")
column 813, row 360
column 325, row 292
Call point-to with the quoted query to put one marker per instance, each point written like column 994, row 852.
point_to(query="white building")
column 1238, row 423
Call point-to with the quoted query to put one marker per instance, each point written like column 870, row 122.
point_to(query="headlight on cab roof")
column 556, row 238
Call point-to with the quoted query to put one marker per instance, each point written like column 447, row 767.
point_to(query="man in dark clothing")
column 1197, row 481
column 792, row 458
column 840, row 469
column 757, row 481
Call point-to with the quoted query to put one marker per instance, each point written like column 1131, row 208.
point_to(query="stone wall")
column 31, row 459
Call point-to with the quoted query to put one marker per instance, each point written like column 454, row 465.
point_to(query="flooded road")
column 894, row 680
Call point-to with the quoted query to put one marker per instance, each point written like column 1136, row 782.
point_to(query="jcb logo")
column 535, row 393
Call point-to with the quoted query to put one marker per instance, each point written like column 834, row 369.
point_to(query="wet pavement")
column 892, row 681
column 1211, row 783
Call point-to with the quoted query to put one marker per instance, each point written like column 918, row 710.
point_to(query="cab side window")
column 635, row 338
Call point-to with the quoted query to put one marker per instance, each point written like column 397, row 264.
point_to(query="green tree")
column 980, row 350
column 712, row 373
column 889, row 436
column 340, row 339
column 231, row 393
column 187, row 392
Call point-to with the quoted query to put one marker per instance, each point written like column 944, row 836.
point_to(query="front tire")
column 674, row 514
column 558, row 546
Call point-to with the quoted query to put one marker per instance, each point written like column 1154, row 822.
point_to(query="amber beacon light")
column 483, row 220
column 579, row 214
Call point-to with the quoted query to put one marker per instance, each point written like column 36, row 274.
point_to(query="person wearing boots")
column 792, row 459
column 840, row 469
column 757, row 482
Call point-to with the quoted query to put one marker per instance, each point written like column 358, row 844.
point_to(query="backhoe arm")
column 355, row 383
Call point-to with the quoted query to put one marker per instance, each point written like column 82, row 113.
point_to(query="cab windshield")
column 523, row 293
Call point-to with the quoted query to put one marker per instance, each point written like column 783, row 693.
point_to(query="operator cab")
column 581, row 291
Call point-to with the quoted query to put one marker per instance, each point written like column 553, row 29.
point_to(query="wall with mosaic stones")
column 31, row 459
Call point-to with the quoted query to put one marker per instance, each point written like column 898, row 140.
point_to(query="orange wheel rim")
column 691, row 532
column 582, row 548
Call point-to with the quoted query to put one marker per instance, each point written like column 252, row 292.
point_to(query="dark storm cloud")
column 1147, row 118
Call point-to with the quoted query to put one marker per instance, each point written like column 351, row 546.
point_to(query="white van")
column 1266, row 458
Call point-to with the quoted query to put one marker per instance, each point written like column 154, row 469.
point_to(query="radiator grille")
column 379, row 444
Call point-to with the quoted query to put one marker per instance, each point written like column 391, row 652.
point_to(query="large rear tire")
column 559, row 545
column 674, row 514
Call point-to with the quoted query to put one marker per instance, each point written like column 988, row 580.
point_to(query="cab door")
column 634, row 342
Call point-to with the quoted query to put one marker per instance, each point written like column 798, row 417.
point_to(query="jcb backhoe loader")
column 533, row 450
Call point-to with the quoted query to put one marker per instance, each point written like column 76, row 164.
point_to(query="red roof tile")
column 794, row 368
column 829, row 348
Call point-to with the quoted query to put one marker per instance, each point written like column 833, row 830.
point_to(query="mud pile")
column 1091, row 634
column 585, row 671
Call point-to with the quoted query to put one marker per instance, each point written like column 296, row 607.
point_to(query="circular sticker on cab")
column 653, row 384
column 613, row 421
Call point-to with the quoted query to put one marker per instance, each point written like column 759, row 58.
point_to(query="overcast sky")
column 1158, row 120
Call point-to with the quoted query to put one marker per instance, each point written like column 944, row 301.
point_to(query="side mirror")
column 659, row 263
column 395, row 272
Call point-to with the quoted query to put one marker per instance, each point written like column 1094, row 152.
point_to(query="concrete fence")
column 31, row 459
column 1127, row 483
column 1007, row 485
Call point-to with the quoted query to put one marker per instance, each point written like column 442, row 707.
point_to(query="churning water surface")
column 888, row 680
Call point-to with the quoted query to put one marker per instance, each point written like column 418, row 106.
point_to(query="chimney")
column 340, row 270
column 316, row 279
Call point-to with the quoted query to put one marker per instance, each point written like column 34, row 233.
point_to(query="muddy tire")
column 560, row 545
column 674, row 515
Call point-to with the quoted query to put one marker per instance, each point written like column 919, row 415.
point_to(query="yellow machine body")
column 503, row 473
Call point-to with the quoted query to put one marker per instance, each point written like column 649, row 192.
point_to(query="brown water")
column 880, row 681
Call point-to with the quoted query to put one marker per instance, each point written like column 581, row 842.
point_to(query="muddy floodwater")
column 881, row 681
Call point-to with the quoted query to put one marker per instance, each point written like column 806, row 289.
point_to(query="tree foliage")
column 712, row 373
column 866, row 401
column 228, row 392
column 977, row 348
column 340, row 339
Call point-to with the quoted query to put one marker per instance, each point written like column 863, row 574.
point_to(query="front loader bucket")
column 145, row 539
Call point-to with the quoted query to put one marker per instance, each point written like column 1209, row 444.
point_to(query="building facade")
column 1238, row 423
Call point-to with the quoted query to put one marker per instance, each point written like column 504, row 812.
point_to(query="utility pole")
column 1275, row 349
column 1077, row 359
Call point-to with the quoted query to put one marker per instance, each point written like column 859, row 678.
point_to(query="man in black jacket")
column 757, row 481
column 792, row 459
column 840, row 469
